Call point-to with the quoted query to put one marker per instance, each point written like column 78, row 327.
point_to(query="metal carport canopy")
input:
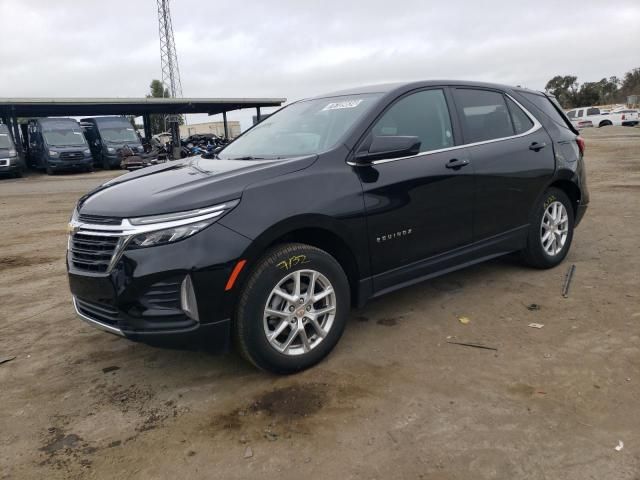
column 77, row 107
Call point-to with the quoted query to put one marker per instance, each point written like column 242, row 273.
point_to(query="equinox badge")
column 393, row 235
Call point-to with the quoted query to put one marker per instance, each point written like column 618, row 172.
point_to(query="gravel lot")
column 394, row 400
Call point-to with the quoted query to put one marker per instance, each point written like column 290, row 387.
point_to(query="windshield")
column 119, row 134
column 5, row 141
column 303, row 128
column 63, row 134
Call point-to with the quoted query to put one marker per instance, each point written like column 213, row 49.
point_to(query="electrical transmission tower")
column 170, row 70
column 168, row 55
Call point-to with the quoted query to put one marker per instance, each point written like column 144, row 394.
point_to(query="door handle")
column 456, row 164
column 536, row 147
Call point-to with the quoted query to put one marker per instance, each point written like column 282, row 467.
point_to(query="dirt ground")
column 395, row 400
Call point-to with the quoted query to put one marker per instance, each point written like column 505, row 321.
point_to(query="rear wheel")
column 605, row 123
column 293, row 309
column 550, row 230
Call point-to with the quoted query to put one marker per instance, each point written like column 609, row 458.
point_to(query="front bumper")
column 10, row 165
column 142, row 296
column 80, row 163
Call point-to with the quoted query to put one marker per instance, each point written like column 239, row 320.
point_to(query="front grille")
column 98, row 311
column 162, row 295
column 71, row 156
column 92, row 253
column 99, row 219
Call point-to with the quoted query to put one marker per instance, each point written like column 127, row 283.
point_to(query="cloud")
column 296, row 49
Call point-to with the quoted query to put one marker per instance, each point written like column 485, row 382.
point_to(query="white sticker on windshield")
column 343, row 104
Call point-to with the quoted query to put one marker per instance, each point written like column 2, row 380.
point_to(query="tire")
column 605, row 123
column 49, row 170
column 280, row 267
column 539, row 253
column 106, row 165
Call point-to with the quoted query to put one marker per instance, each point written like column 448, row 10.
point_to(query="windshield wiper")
column 248, row 158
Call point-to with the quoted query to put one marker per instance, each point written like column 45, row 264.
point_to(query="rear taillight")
column 581, row 144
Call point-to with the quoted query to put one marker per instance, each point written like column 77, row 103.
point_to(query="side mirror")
column 97, row 143
column 386, row 147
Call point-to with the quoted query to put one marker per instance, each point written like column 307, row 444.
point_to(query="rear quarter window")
column 550, row 108
column 521, row 121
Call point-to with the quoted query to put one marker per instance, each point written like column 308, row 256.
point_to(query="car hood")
column 183, row 185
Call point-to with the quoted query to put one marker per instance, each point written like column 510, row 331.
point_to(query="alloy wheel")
column 554, row 228
column 299, row 312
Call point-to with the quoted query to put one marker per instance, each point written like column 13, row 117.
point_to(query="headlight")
column 111, row 149
column 53, row 153
column 13, row 153
column 172, row 227
column 160, row 237
column 87, row 151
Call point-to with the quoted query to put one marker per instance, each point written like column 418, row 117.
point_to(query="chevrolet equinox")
column 325, row 204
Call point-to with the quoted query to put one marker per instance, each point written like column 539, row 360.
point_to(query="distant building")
column 217, row 128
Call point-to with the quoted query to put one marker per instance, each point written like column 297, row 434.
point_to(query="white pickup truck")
column 602, row 118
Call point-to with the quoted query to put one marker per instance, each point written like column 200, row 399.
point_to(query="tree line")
column 610, row 90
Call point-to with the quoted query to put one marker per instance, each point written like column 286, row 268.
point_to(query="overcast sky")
column 297, row 48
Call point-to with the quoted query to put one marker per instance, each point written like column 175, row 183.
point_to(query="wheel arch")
column 319, row 231
column 571, row 189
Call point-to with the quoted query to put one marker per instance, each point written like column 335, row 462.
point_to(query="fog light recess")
column 188, row 299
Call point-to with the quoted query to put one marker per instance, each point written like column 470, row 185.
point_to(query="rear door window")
column 593, row 111
column 484, row 115
column 424, row 115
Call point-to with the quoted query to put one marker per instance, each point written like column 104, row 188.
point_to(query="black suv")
column 327, row 203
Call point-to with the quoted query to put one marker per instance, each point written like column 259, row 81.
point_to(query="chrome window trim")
column 95, row 323
column 536, row 126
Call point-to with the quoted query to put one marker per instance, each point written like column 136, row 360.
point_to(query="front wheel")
column 293, row 309
column 550, row 230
